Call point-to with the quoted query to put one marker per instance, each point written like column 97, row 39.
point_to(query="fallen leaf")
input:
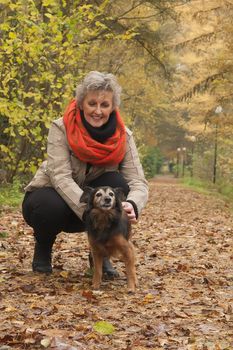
column 60, row 344
column 64, row 274
column 45, row 342
column 104, row 327
column 89, row 295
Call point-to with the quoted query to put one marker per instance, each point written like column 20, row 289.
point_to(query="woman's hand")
column 130, row 212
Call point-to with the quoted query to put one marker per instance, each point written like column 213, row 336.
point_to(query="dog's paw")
column 131, row 290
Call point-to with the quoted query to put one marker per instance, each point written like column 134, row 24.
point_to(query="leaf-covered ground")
column 185, row 269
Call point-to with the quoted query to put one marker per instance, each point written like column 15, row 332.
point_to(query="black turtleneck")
column 102, row 133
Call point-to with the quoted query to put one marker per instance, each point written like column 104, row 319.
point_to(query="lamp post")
column 193, row 140
column 218, row 110
column 183, row 159
column 177, row 161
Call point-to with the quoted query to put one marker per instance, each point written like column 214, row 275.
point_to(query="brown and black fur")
column 109, row 231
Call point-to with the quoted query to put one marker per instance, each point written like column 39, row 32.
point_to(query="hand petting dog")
column 129, row 209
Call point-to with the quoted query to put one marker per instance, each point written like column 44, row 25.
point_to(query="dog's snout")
column 107, row 200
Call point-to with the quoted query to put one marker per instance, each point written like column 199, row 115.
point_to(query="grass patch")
column 3, row 234
column 221, row 189
column 11, row 194
column 226, row 190
column 198, row 185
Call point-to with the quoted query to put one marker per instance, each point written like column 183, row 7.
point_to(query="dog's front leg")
column 98, row 269
column 129, row 258
column 126, row 249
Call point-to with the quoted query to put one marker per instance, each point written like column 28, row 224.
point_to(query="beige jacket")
column 67, row 174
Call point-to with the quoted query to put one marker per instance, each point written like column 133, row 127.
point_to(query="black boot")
column 108, row 269
column 42, row 258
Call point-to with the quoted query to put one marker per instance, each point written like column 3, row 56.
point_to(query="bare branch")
column 131, row 9
column 130, row 18
column 195, row 40
column 161, row 64
column 207, row 11
column 200, row 87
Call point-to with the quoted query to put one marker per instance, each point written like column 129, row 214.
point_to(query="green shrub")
column 11, row 194
column 151, row 159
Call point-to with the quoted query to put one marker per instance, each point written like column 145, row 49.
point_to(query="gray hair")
column 94, row 81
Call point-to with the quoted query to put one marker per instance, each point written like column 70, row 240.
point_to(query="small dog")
column 109, row 231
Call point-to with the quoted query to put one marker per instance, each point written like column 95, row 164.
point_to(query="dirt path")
column 185, row 269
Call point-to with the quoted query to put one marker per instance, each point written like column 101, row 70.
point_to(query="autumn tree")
column 47, row 47
column 202, row 53
column 39, row 56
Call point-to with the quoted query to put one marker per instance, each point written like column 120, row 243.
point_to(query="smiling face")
column 97, row 107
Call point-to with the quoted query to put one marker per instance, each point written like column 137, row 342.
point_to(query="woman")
column 88, row 146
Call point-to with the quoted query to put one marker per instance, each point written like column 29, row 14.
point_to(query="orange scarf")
column 111, row 152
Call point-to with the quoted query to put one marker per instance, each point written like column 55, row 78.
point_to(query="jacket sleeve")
column 132, row 171
column 60, row 171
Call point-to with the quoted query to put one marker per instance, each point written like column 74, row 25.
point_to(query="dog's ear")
column 86, row 194
column 120, row 193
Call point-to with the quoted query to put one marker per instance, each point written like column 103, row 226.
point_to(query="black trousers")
column 48, row 214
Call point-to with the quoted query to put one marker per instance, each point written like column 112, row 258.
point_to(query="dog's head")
column 103, row 197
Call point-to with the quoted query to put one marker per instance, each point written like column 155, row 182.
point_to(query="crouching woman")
column 89, row 146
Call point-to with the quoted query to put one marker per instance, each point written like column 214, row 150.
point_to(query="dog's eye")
column 98, row 194
column 111, row 194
